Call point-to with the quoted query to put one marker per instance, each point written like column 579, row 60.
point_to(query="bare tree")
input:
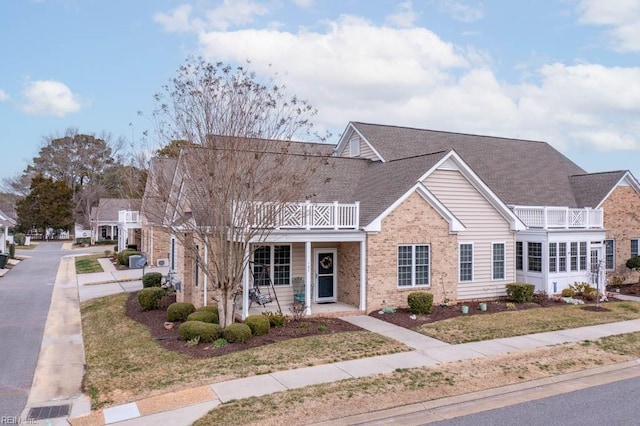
column 232, row 189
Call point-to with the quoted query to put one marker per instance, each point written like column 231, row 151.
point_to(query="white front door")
column 326, row 265
column 598, row 268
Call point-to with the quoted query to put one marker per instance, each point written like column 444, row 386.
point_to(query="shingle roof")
column 519, row 172
column 108, row 208
column 590, row 189
column 6, row 220
column 156, row 190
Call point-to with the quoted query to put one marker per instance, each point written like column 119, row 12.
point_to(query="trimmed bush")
column 237, row 333
column 179, row 311
column 520, row 292
column 151, row 279
column 276, row 319
column 568, row 292
column 148, row 298
column 259, row 324
column 211, row 309
column 634, row 263
column 19, row 239
column 12, row 251
column 420, row 302
column 207, row 332
column 203, row 316
column 123, row 256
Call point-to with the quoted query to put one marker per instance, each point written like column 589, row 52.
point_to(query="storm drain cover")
column 48, row 412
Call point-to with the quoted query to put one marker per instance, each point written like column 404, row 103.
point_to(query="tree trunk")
column 225, row 308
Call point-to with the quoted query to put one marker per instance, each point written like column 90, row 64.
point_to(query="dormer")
column 352, row 144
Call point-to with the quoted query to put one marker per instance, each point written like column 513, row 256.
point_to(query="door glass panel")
column 325, row 263
column 325, row 286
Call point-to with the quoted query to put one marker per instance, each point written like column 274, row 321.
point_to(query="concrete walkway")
column 59, row 373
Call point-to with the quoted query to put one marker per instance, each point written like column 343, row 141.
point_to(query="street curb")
column 464, row 404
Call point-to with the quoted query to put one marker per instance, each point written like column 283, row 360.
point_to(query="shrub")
column 259, row 324
column 634, row 263
column 541, row 297
column 206, row 332
column 179, row 311
column 568, row 292
column 420, row 302
column 276, row 319
column 12, row 251
column 211, row 309
column 19, row 239
column 520, row 292
column 237, row 333
column 123, row 256
column 148, row 298
column 203, row 316
column 151, row 279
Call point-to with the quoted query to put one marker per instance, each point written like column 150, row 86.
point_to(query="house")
column 395, row 209
column 116, row 219
column 6, row 222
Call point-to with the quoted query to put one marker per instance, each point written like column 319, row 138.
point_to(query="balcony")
column 560, row 217
column 336, row 216
column 129, row 218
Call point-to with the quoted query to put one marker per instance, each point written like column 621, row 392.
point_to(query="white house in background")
column 116, row 219
column 5, row 223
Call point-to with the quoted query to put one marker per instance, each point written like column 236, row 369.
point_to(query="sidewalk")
column 58, row 377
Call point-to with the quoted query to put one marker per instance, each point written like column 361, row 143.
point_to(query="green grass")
column 88, row 264
column 518, row 323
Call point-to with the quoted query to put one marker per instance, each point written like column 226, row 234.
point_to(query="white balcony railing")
column 560, row 217
column 129, row 217
column 305, row 215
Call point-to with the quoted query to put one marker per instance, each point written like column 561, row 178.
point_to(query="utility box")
column 3, row 260
column 137, row 261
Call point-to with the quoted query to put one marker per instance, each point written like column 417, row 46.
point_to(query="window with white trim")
column 465, row 258
column 498, row 261
column 553, row 257
column 562, row 257
column 635, row 243
column 354, row 146
column 534, row 257
column 196, row 269
column 583, row 256
column 610, row 250
column 573, row 255
column 519, row 256
column 272, row 262
column 413, row 265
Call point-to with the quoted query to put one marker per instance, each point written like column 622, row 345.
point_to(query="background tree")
column 240, row 125
column 48, row 205
column 172, row 150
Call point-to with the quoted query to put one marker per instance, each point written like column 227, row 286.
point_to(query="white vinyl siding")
column 483, row 225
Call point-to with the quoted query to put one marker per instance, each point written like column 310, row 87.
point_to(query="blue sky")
column 563, row 71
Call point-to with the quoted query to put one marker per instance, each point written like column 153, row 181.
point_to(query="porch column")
column 307, row 276
column 363, row 275
column 245, row 284
column 112, row 234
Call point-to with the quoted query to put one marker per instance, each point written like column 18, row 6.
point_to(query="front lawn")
column 88, row 264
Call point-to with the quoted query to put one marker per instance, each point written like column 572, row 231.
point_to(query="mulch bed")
column 168, row 339
column 628, row 289
column 403, row 317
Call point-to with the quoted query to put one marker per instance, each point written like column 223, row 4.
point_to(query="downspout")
column 206, row 268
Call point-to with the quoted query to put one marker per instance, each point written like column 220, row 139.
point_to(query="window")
column 583, row 256
column 172, row 255
column 553, row 257
column 498, row 261
column 574, row 256
column 272, row 262
column 196, row 271
column 562, row 257
column 466, row 262
column 534, row 257
column 610, row 249
column 354, row 146
column 413, row 265
column 634, row 247
column 518, row 255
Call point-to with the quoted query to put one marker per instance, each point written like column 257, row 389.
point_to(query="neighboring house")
column 155, row 236
column 6, row 222
column 396, row 210
column 116, row 219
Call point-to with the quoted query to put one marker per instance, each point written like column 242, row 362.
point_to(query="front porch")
column 323, row 277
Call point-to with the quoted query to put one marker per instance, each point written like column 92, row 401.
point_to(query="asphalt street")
column 25, row 295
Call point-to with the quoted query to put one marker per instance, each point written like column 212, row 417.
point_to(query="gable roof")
column 159, row 178
column 592, row 188
column 108, row 208
column 6, row 220
column 519, row 172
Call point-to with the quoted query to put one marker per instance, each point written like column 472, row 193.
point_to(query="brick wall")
column 622, row 222
column 349, row 273
column 413, row 222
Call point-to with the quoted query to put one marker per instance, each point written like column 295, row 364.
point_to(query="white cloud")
column 620, row 16
column 48, row 97
column 404, row 17
column 303, row 3
column 461, row 11
column 355, row 70
column 3, row 96
column 228, row 14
